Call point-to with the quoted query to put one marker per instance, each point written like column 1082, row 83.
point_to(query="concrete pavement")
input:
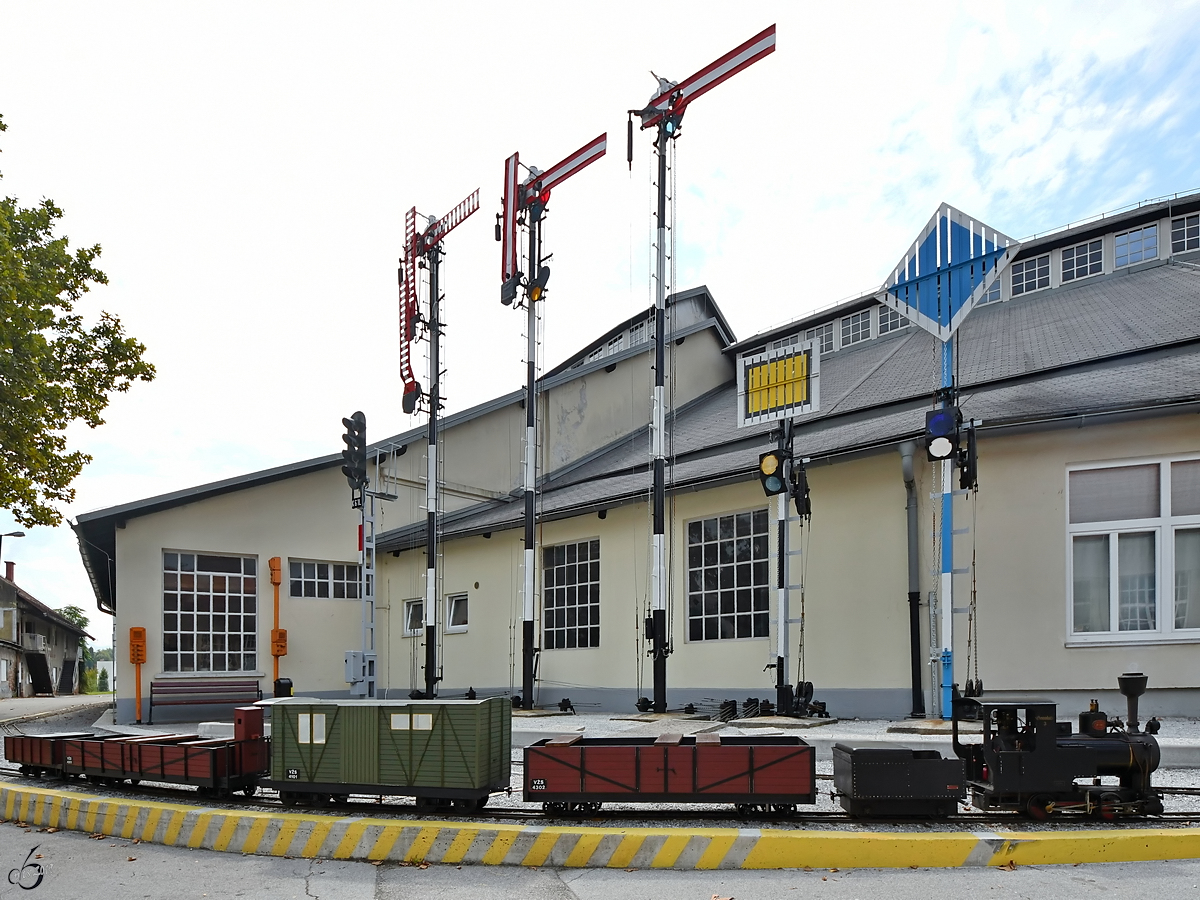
column 25, row 709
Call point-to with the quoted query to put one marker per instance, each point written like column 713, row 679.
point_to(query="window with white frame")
column 210, row 613
column 890, row 320
column 595, row 354
column 790, row 341
column 1083, row 260
column 856, row 327
column 456, row 612
column 1030, row 275
column 1136, row 245
column 571, row 595
column 1185, row 233
column 993, row 293
column 728, row 577
column 310, row 728
column 822, row 334
column 637, row 334
column 414, row 617
column 1135, row 551
column 309, row 578
column 616, row 345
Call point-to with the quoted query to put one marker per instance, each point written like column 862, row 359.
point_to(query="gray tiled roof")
column 1123, row 342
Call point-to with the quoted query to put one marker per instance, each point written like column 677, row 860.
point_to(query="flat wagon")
column 441, row 752
column 755, row 773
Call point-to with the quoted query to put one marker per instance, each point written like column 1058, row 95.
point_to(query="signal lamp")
column 412, row 394
column 770, row 473
column 508, row 290
column 355, row 453
column 800, row 491
column 968, row 463
column 537, row 287
column 941, row 432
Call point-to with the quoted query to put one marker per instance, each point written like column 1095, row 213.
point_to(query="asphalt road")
column 72, row 865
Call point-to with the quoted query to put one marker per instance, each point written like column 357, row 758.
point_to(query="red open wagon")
column 768, row 773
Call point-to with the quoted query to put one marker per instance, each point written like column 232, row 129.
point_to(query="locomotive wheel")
column 1039, row 807
column 1109, row 805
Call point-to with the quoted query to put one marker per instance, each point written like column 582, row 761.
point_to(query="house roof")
column 1119, row 345
column 41, row 608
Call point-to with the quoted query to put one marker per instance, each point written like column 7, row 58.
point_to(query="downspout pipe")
column 907, row 450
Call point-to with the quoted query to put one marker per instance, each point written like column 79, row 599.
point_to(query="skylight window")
column 890, row 320
column 823, row 334
column 856, row 327
column 1185, row 234
column 1137, row 245
column 1083, row 260
column 1031, row 275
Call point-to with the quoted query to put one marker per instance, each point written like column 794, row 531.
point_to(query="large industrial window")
column 571, row 595
column 728, row 577
column 856, row 327
column 1185, row 234
column 1082, row 260
column 822, row 333
column 890, row 320
column 1136, row 245
column 1135, row 551
column 1030, row 275
column 210, row 607
column 323, row 579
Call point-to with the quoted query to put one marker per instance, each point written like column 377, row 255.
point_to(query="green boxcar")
column 439, row 751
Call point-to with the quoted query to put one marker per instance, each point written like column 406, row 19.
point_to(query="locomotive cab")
column 1030, row 762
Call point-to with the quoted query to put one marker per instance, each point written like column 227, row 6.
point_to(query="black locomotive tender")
column 454, row 754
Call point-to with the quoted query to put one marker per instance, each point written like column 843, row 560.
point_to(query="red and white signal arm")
column 779, row 384
column 676, row 98
column 508, row 220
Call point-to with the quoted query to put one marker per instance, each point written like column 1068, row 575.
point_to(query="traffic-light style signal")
column 537, row 287
column 771, row 473
column 941, row 433
column 355, row 453
column 800, row 491
column 537, row 206
column 968, row 463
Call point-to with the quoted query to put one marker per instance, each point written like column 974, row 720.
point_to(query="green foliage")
column 54, row 369
column 87, row 684
column 105, row 653
column 102, row 684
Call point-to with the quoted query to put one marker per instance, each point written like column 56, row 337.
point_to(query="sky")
column 246, row 168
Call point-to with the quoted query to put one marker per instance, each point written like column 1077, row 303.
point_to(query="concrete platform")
column 308, row 835
column 26, row 709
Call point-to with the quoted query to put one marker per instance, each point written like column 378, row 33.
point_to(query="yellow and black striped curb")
column 403, row 840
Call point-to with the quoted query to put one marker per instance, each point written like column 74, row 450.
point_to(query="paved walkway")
column 23, row 709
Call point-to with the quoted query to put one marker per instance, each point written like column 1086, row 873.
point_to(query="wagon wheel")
column 249, row 790
column 554, row 808
column 480, row 802
column 592, row 807
column 288, row 798
column 745, row 810
column 202, row 791
column 1039, row 807
column 134, row 782
column 784, row 809
column 339, row 799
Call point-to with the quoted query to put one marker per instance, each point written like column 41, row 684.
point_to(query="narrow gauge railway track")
column 267, row 800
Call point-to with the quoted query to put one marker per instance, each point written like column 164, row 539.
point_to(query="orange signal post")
column 137, row 656
column 278, row 635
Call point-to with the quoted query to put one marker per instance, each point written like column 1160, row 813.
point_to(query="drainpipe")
column 907, row 449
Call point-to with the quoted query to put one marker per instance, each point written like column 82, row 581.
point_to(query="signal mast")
column 425, row 249
column 530, row 197
column 665, row 112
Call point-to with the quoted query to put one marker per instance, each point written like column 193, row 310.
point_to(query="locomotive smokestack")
column 1133, row 685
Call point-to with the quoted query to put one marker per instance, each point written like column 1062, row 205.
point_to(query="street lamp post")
column 13, row 534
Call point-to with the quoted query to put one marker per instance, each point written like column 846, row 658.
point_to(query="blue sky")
column 246, row 168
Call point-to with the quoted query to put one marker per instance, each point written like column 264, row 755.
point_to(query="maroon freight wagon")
column 37, row 754
column 771, row 773
column 215, row 767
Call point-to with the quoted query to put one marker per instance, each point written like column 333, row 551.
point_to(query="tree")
column 75, row 616
column 102, row 686
column 54, row 369
column 105, row 653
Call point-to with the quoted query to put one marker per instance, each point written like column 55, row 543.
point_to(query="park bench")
column 197, row 691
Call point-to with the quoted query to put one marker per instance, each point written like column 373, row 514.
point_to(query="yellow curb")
column 404, row 840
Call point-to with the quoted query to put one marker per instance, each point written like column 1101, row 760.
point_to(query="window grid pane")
column 1030, row 275
column 823, row 334
column 1082, row 260
column 1137, row 245
column 1137, row 600
column 890, row 320
column 210, row 613
column 1185, row 233
column 323, row 580
column 571, row 595
column 728, row 577
column 856, row 327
